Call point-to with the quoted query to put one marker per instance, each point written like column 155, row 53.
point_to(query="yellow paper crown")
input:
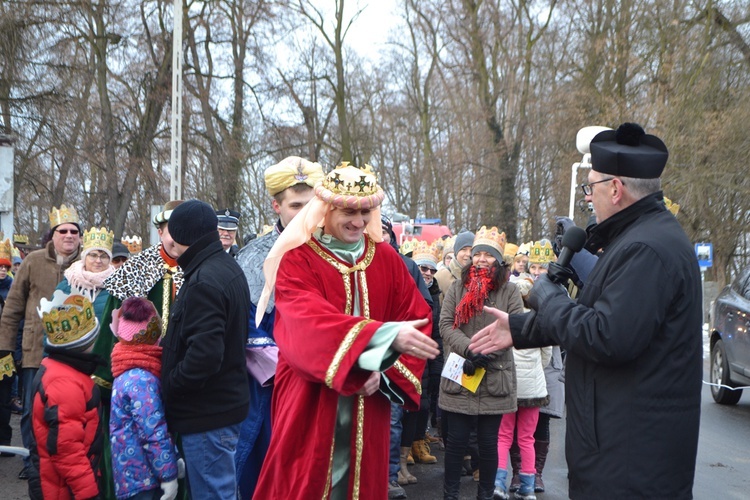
column 68, row 320
column 448, row 246
column 491, row 237
column 425, row 251
column 265, row 230
column 541, row 253
column 22, row 239
column 408, row 246
column 134, row 243
column 63, row 215
column 98, row 237
column 6, row 252
column 671, row 206
column 347, row 186
column 511, row 249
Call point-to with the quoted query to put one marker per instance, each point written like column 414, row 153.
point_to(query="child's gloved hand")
column 180, row 468
column 170, row 490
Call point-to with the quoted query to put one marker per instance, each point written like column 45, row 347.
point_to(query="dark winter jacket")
column 65, row 422
column 634, row 359
column 204, row 379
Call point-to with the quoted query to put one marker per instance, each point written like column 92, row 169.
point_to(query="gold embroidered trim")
column 166, row 296
column 101, row 382
column 329, row 477
column 359, row 443
column 403, row 370
column 365, row 294
column 342, row 350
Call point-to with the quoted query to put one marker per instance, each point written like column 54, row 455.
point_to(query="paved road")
column 722, row 469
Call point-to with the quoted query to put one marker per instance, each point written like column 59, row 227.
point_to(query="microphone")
column 572, row 243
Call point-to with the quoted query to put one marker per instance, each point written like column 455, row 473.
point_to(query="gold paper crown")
column 524, row 249
column 425, row 251
column 22, row 239
column 671, row 206
column 134, row 243
column 98, row 237
column 265, row 230
column 408, row 246
column 491, row 237
column 542, row 253
column 69, row 320
column 511, row 249
column 63, row 215
column 448, row 246
column 347, row 181
column 6, row 252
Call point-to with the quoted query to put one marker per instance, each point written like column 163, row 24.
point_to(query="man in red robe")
column 347, row 310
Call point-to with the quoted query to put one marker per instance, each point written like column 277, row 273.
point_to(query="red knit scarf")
column 478, row 288
column 128, row 356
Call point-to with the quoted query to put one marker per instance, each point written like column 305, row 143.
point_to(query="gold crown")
column 265, row 230
column 63, row 215
column 511, row 249
column 425, row 251
column 408, row 246
column 134, row 243
column 22, row 239
column 98, row 237
column 448, row 245
column 6, row 252
column 491, row 237
column 150, row 335
column 69, row 320
column 347, row 181
column 541, row 253
column 671, row 206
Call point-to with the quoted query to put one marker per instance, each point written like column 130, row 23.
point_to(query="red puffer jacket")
column 65, row 422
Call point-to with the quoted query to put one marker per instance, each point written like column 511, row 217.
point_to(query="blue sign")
column 705, row 254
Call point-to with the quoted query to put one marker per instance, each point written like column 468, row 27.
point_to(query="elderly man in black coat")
column 633, row 338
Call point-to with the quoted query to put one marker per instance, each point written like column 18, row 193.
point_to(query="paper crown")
column 6, row 253
column 425, row 253
column 542, row 253
column 671, row 206
column 408, row 246
column 511, row 249
column 448, row 246
column 491, row 237
column 69, row 320
column 524, row 249
column 134, row 243
column 265, row 230
column 347, row 186
column 22, row 239
column 98, row 237
column 63, row 215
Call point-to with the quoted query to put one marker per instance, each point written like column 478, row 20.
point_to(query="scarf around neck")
column 81, row 279
column 128, row 356
column 478, row 288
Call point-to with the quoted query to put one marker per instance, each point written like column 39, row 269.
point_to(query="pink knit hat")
column 136, row 322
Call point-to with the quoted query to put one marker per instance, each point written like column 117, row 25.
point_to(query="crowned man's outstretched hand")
column 413, row 342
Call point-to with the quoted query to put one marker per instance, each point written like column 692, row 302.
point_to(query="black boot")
column 515, row 462
column 483, row 493
column 540, row 448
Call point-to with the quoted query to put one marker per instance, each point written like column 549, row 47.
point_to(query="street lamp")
column 583, row 141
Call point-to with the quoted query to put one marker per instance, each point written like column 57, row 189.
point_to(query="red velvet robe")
column 319, row 344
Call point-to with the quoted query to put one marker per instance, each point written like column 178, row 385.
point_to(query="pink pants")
column 524, row 423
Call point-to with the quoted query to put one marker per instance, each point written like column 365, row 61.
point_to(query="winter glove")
column 562, row 224
column 560, row 274
column 180, row 468
column 480, row 360
column 170, row 490
column 469, row 368
column 542, row 291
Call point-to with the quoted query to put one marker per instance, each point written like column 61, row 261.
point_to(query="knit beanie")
column 463, row 239
column 136, row 322
column 191, row 221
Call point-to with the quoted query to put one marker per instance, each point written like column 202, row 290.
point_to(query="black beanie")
column 191, row 221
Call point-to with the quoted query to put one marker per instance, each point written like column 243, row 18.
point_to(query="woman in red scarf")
column 483, row 283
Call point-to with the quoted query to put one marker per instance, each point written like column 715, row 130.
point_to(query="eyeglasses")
column 586, row 188
column 4, row 267
column 66, row 231
column 426, row 269
column 98, row 256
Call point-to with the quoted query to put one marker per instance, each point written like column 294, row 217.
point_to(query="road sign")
column 705, row 254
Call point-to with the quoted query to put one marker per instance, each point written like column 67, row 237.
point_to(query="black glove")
column 560, row 274
column 543, row 290
column 469, row 368
column 562, row 224
column 480, row 360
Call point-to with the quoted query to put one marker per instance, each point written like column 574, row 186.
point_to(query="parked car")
column 730, row 340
